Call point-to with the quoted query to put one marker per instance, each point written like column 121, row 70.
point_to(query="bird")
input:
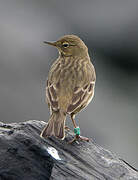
column 70, row 86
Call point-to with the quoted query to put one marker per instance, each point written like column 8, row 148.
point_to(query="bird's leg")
column 73, row 120
column 77, row 136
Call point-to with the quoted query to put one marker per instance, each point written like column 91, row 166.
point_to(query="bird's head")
column 70, row 45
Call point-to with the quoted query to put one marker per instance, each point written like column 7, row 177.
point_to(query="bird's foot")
column 78, row 137
column 67, row 128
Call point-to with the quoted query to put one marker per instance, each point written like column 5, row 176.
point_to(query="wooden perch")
column 26, row 156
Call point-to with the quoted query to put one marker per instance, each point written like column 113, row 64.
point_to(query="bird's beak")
column 50, row 43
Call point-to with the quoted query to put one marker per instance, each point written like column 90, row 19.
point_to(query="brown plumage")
column 70, row 84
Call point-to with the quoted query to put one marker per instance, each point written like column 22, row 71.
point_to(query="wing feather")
column 51, row 96
column 81, row 97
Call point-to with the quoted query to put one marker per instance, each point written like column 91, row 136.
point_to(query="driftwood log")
column 24, row 155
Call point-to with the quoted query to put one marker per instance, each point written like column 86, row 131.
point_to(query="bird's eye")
column 65, row 45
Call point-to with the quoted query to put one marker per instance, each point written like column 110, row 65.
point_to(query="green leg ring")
column 77, row 131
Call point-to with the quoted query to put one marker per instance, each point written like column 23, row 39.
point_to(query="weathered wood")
column 26, row 156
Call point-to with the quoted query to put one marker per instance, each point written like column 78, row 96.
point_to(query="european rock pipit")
column 70, row 85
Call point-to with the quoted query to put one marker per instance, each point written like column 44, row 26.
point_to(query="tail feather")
column 55, row 126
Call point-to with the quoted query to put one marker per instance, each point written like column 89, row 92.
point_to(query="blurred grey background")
column 109, row 29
